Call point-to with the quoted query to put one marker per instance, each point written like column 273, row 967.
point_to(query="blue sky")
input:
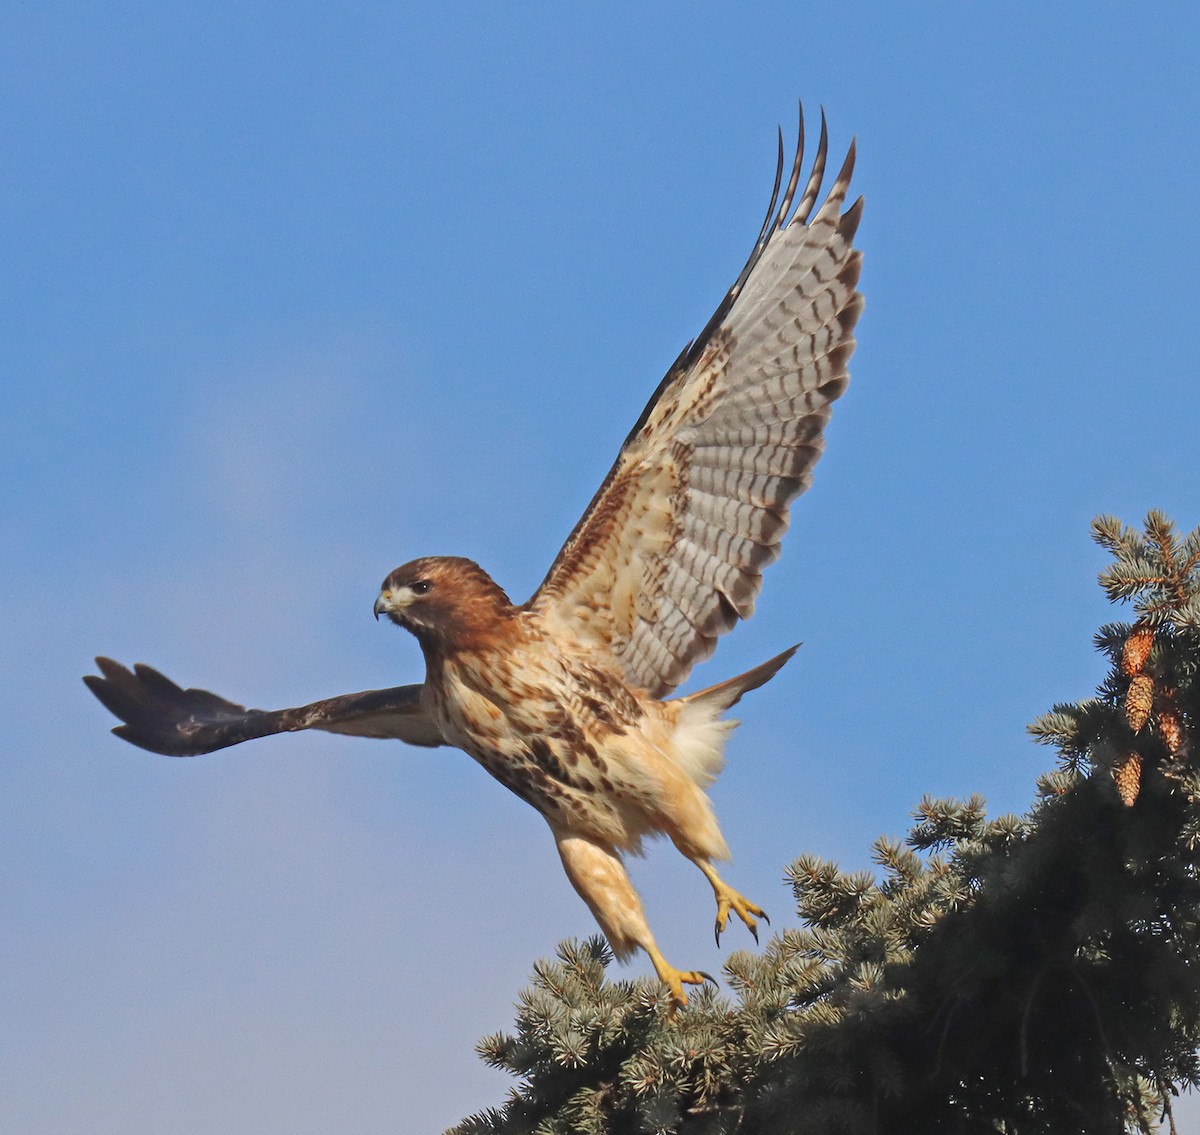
column 294, row 293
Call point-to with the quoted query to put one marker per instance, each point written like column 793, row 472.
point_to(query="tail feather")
column 728, row 693
column 698, row 749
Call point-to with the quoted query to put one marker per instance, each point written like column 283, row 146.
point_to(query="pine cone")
column 1138, row 701
column 1128, row 775
column 1171, row 732
column 1137, row 650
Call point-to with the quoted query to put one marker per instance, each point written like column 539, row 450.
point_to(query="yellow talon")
column 728, row 899
column 675, row 979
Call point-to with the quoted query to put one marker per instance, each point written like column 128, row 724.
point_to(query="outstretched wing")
column 165, row 718
column 670, row 552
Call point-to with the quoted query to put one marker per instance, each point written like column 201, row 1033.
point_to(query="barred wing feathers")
column 669, row 554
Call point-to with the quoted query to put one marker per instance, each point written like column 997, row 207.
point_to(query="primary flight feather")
column 563, row 699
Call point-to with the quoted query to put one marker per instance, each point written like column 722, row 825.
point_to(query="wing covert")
column 670, row 552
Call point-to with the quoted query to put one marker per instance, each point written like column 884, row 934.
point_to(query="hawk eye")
column 420, row 587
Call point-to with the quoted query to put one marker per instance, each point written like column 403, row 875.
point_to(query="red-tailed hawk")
column 564, row 699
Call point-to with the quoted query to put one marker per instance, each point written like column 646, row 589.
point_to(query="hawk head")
column 446, row 601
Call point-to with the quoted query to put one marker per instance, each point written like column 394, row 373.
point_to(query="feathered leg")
column 599, row 876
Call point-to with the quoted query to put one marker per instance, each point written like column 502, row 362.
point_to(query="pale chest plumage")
column 564, row 734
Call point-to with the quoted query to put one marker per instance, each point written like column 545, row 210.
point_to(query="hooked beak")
column 392, row 601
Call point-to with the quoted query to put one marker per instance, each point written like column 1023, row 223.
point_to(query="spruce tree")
column 1037, row 975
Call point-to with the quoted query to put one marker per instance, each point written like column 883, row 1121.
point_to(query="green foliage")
column 1036, row 975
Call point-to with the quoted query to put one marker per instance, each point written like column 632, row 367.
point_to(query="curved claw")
column 675, row 979
column 709, row 977
column 730, row 902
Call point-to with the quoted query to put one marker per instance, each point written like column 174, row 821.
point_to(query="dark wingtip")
column 115, row 689
column 785, row 206
column 112, row 671
column 159, row 716
column 813, row 189
column 148, row 741
column 847, row 170
column 155, row 681
column 851, row 218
